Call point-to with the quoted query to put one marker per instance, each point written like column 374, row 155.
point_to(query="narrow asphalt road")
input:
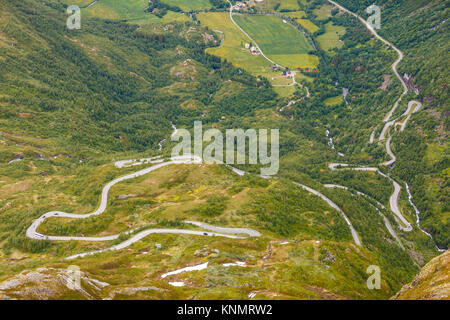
column 218, row 231
column 385, row 220
column 248, row 36
column 334, row 206
column 394, row 198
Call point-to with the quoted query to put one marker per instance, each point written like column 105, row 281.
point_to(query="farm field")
column 80, row 3
column 289, row 5
column 119, row 10
column 330, row 39
column 280, row 41
column 131, row 10
column 308, row 25
column 169, row 17
column 296, row 14
column 323, row 12
column 233, row 50
column 189, row 5
column 268, row 5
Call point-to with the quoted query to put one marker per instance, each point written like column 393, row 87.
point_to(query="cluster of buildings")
column 239, row 5
column 254, row 50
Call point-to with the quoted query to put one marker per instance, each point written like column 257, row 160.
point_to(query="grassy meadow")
column 308, row 25
column 131, row 11
column 330, row 39
column 323, row 13
column 189, row 5
column 280, row 41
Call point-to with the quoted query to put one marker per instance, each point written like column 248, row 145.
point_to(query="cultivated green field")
column 330, row 39
column 130, row 10
column 115, row 10
column 289, row 4
column 232, row 47
column 233, row 50
column 296, row 14
column 281, row 42
column 189, row 5
column 323, row 12
column 269, row 5
column 308, row 25
column 80, row 3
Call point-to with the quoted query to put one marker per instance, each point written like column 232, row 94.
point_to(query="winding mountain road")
column 394, row 65
column 236, row 233
column 144, row 234
column 218, row 231
column 334, row 206
column 393, row 200
column 385, row 220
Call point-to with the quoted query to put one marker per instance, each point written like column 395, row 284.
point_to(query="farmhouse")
column 254, row 51
column 239, row 5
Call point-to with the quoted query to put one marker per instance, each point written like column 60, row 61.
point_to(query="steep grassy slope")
column 432, row 283
column 58, row 80
column 305, row 250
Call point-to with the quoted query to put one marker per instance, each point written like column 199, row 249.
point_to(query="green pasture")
column 330, row 39
column 281, row 42
column 130, row 10
column 189, row 5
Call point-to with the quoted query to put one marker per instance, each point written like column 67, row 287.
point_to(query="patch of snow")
column 237, row 263
column 177, row 284
column 193, row 268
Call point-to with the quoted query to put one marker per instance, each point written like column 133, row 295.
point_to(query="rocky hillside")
column 432, row 283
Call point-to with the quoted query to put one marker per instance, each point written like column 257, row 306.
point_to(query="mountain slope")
column 432, row 283
column 74, row 102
